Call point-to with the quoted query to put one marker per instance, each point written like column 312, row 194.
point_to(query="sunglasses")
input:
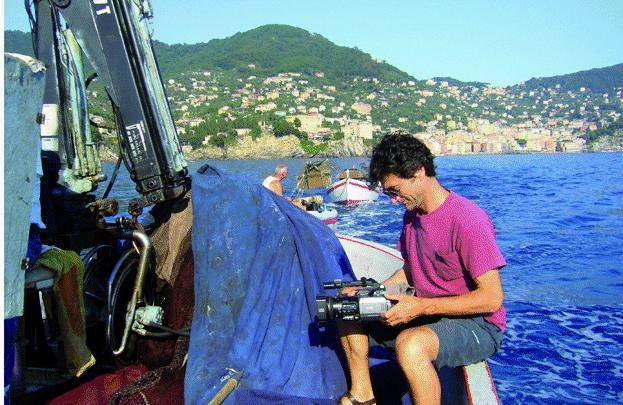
column 391, row 193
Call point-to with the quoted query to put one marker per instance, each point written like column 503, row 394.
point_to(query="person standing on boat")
column 452, row 261
column 273, row 182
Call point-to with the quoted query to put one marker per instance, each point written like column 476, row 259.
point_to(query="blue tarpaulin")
column 259, row 264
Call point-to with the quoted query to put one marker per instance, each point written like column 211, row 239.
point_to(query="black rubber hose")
column 181, row 332
column 113, row 177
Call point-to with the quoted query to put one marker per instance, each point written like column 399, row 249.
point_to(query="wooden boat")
column 315, row 174
column 472, row 384
column 351, row 188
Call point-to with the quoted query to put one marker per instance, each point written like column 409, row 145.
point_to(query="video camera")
column 366, row 305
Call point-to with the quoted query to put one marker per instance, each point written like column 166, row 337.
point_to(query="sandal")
column 354, row 401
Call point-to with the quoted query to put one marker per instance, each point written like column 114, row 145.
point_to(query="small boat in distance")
column 316, row 175
column 315, row 206
column 351, row 188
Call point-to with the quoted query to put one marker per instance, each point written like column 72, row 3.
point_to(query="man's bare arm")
column 276, row 187
column 487, row 297
column 399, row 277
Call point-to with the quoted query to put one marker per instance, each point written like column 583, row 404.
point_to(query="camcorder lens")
column 329, row 308
column 324, row 308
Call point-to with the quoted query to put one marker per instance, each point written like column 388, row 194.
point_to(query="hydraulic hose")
column 145, row 248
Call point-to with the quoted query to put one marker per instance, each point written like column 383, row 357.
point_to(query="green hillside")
column 282, row 48
column 217, row 87
column 275, row 49
column 600, row 80
column 271, row 48
column 18, row 42
column 455, row 82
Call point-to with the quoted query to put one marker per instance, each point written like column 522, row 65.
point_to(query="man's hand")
column 404, row 310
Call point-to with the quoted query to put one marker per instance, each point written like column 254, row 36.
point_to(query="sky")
column 498, row 42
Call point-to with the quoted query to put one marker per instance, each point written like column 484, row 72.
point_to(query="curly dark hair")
column 400, row 154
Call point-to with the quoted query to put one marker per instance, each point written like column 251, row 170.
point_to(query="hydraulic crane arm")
column 114, row 37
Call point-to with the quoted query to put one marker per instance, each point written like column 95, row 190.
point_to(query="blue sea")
column 559, row 223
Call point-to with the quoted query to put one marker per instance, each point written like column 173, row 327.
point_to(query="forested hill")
column 600, row 80
column 455, row 82
column 271, row 48
column 275, row 49
column 18, row 42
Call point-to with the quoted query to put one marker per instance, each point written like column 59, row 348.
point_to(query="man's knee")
column 418, row 345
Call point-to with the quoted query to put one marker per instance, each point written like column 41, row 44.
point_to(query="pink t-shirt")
column 449, row 248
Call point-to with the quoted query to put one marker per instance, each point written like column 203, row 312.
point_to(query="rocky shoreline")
column 270, row 147
column 266, row 147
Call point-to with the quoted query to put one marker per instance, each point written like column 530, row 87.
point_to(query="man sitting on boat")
column 451, row 260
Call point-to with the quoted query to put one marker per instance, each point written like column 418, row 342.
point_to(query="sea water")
column 559, row 223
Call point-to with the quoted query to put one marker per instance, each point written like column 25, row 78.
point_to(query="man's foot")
column 347, row 399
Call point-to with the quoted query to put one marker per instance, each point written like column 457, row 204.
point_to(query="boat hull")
column 351, row 191
column 370, row 259
column 328, row 216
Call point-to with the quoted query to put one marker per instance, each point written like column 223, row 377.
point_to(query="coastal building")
column 361, row 108
column 436, row 147
column 309, row 123
column 486, row 128
column 357, row 129
column 272, row 95
column 266, row 107
column 281, row 78
column 241, row 132
column 194, row 122
column 572, row 145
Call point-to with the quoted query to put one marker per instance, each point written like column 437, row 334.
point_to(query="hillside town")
column 276, row 82
column 215, row 108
